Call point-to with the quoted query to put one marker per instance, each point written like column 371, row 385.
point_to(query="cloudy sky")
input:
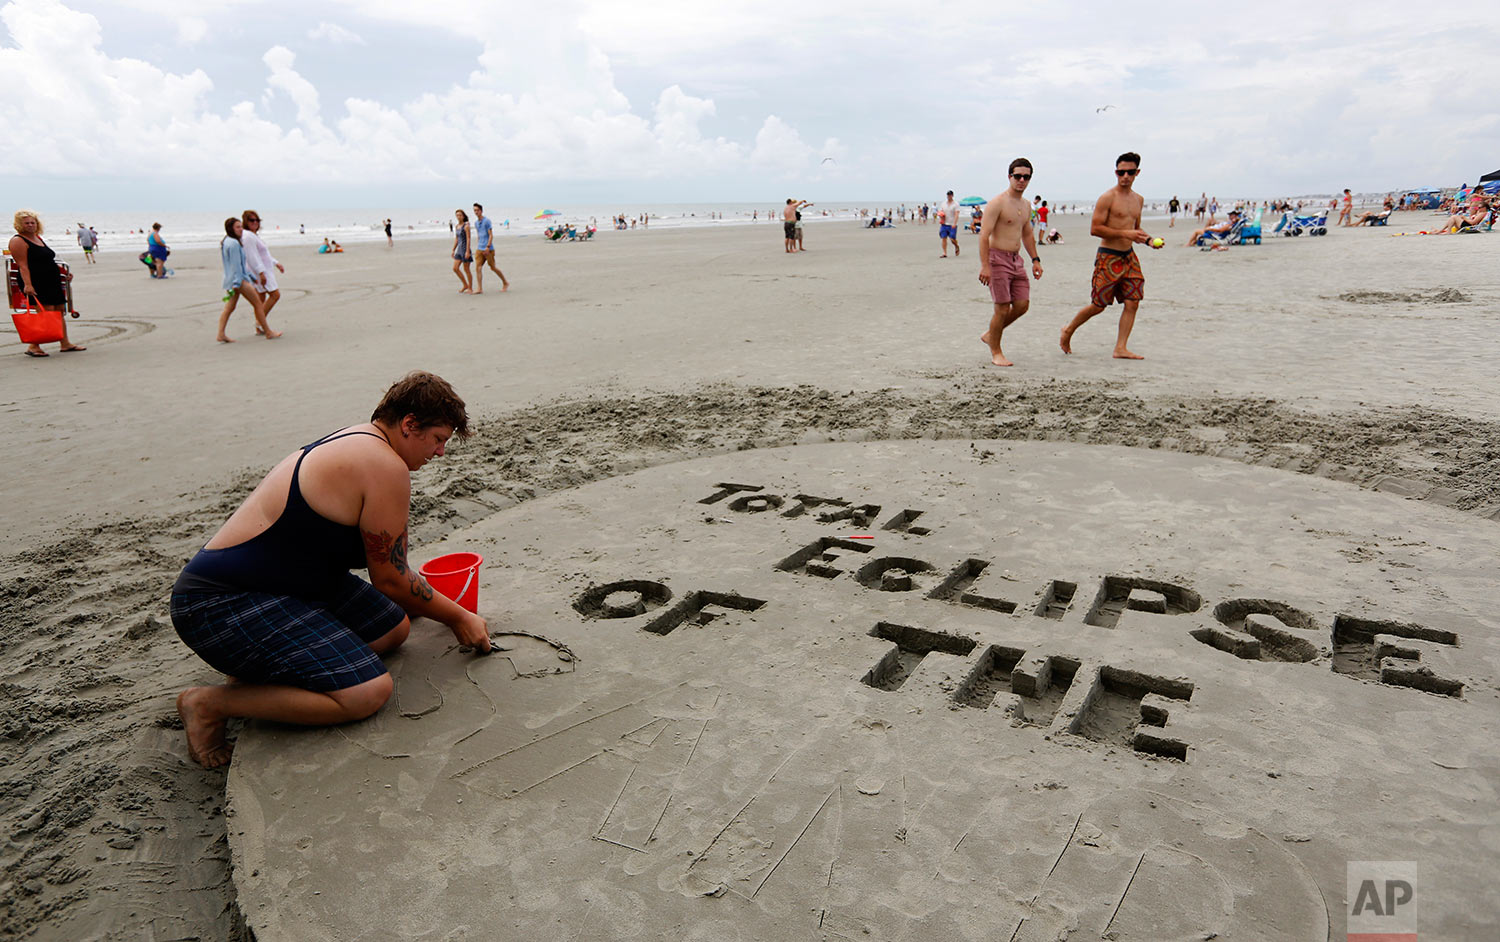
column 139, row 103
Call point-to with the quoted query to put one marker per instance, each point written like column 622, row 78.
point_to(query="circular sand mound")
column 910, row 690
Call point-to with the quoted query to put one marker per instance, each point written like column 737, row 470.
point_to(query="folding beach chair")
column 1230, row 236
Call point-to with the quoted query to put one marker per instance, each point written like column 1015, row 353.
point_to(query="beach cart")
column 33, row 324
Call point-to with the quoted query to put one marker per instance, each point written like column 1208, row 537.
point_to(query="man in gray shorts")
column 87, row 239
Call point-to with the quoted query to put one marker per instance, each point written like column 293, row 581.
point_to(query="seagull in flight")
column 828, row 160
column 1105, row 108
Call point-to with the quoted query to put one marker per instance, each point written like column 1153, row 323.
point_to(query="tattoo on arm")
column 398, row 553
column 383, row 546
column 420, row 588
column 377, row 545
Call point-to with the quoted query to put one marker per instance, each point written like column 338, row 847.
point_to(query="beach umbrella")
column 972, row 201
column 546, row 213
column 1490, row 177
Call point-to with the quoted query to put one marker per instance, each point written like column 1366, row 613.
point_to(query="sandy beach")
column 1347, row 380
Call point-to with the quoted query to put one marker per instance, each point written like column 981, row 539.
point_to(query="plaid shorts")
column 262, row 638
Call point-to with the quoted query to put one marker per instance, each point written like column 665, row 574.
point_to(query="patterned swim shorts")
column 261, row 638
column 1117, row 276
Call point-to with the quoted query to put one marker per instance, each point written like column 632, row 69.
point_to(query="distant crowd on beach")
column 251, row 272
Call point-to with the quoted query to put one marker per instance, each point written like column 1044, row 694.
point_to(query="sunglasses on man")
column 1126, row 173
column 1020, row 176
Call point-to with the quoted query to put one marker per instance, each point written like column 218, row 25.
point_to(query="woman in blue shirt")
column 158, row 251
column 237, row 282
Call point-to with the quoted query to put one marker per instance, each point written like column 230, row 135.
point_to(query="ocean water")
column 122, row 232
column 126, row 232
column 291, row 227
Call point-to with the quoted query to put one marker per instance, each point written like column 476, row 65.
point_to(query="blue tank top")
column 301, row 554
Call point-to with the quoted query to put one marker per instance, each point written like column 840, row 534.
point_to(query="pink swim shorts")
column 1008, row 281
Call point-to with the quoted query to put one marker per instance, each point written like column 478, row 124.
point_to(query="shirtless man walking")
column 1117, row 271
column 789, row 224
column 1006, row 226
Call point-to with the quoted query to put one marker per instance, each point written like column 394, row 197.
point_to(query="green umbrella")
column 972, row 201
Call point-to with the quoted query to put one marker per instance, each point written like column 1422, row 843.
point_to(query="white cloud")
column 676, row 128
column 86, row 109
column 779, row 148
column 191, row 29
column 303, row 93
column 737, row 96
column 336, row 34
column 532, row 110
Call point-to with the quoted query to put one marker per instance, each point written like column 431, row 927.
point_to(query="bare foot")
column 205, row 734
column 504, row 286
column 1122, row 354
column 984, row 338
column 999, row 359
column 1066, row 340
column 258, row 330
column 477, row 291
column 272, row 334
column 224, row 339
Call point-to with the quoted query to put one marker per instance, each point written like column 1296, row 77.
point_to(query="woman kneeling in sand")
column 270, row 600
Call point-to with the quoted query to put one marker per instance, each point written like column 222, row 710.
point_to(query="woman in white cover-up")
column 259, row 262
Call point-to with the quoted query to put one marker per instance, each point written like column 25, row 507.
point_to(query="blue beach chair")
column 1230, row 236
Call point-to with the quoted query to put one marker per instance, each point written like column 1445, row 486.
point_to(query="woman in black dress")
column 40, row 276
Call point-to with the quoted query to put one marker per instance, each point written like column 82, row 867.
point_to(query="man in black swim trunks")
column 270, row 600
column 791, row 225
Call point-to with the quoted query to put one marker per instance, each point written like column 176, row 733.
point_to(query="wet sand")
column 641, row 349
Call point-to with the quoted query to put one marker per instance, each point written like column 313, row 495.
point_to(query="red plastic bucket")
column 456, row 575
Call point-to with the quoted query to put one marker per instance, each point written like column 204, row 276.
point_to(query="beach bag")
column 38, row 325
